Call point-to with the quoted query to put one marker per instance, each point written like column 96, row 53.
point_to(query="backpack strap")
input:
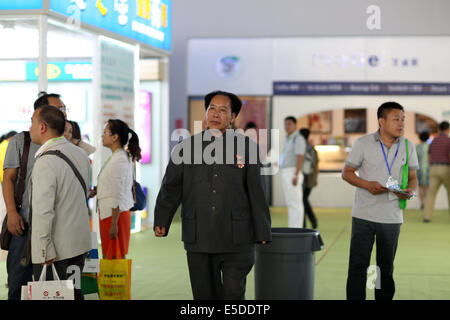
column 70, row 163
column 23, row 170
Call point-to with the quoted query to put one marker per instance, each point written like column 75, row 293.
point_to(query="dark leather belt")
column 441, row 164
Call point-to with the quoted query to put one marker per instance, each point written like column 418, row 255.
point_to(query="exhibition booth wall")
column 330, row 78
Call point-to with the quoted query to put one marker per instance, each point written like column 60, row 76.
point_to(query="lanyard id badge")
column 391, row 182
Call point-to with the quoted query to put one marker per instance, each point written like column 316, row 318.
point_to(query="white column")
column 42, row 60
column 165, row 118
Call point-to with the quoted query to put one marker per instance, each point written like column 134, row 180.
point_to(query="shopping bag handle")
column 44, row 272
column 116, row 245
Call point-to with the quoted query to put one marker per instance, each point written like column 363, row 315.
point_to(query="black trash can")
column 284, row 268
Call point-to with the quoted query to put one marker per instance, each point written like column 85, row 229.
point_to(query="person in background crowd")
column 424, row 168
column 114, row 187
column 310, row 171
column 376, row 214
column 73, row 134
column 17, row 213
column 60, row 222
column 439, row 153
column 253, row 134
column 4, row 140
column 250, row 125
column 291, row 163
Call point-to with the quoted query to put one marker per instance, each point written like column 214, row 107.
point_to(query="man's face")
column 218, row 114
column 55, row 102
column 37, row 128
column 394, row 124
column 289, row 126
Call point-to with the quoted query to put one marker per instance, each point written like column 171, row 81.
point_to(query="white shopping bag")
column 24, row 293
column 51, row 290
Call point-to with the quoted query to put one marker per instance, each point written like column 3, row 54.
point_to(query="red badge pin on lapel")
column 240, row 163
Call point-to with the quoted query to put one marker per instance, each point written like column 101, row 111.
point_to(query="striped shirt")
column 439, row 150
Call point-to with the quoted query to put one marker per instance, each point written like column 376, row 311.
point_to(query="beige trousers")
column 439, row 174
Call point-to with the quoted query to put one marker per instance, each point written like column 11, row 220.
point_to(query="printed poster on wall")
column 114, row 90
column 117, row 81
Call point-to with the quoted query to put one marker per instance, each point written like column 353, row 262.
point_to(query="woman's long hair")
column 117, row 126
column 76, row 132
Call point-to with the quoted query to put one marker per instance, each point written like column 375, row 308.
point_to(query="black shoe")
column 426, row 220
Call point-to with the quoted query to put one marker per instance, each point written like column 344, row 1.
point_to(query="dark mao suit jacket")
column 223, row 205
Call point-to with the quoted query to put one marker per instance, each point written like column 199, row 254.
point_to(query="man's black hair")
column 305, row 133
column 250, row 125
column 291, row 118
column 8, row 135
column 42, row 99
column 443, row 126
column 424, row 136
column 53, row 117
column 236, row 103
column 387, row 107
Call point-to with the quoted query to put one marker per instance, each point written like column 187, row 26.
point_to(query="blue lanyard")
column 385, row 158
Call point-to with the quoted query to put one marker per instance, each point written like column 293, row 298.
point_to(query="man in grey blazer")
column 19, row 275
column 60, row 232
column 224, row 210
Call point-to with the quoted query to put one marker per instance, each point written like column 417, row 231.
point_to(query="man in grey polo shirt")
column 376, row 213
column 291, row 163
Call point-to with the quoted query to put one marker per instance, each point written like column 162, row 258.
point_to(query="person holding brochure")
column 384, row 160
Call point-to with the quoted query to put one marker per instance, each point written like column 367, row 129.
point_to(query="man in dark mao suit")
column 216, row 176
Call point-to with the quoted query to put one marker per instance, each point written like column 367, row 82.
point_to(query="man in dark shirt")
column 224, row 210
column 439, row 156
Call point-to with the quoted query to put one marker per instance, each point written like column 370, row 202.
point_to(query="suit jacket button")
column 214, row 191
column 214, row 208
column 215, row 175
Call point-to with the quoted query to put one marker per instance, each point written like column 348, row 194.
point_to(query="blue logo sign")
column 146, row 21
column 373, row 61
column 20, row 4
column 61, row 71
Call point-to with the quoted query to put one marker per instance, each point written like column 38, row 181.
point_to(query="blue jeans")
column 18, row 275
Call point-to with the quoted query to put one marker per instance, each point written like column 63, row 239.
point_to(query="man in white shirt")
column 291, row 163
column 59, row 214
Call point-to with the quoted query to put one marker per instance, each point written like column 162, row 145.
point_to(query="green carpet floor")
column 422, row 265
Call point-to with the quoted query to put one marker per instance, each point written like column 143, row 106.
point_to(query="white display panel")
column 242, row 66
column 408, row 59
column 252, row 65
column 343, row 194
